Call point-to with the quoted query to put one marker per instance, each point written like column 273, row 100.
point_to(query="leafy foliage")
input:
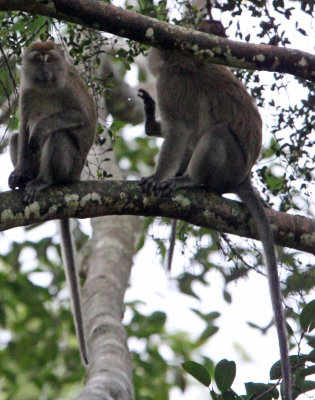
column 198, row 371
column 224, row 374
column 39, row 354
column 307, row 317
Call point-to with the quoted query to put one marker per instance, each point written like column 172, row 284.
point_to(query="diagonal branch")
column 105, row 17
column 92, row 199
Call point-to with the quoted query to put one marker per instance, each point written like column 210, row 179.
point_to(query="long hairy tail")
column 68, row 256
column 247, row 194
column 170, row 252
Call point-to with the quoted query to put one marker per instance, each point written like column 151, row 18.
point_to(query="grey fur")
column 213, row 134
column 57, row 129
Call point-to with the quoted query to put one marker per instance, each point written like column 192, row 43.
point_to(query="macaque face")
column 44, row 64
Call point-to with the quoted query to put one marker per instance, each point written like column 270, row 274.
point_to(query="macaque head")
column 44, row 64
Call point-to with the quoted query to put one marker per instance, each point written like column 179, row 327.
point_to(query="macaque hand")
column 149, row 103
column 18, row 178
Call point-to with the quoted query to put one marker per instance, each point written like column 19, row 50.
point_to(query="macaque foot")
column 166, row 187
column 18, row 179
column 151, row 184
column 32, row 189
column 149, row 103
column 178, row 182
column 148, row 184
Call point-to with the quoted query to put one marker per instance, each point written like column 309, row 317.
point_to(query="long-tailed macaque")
column 212, row 134
column 57, row 129
column 216, row 28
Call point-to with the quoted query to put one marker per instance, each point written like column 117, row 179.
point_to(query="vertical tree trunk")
column 107, row 260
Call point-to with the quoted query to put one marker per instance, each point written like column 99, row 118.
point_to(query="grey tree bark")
column 106, row 263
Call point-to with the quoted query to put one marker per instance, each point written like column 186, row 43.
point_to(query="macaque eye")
column 50, row 58
column 37, row 59
column 40, row 58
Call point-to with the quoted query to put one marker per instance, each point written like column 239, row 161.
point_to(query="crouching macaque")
column 212, row 134
column 57, row 129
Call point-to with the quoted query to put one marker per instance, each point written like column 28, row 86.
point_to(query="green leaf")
column 265, row 392
column 209, row 331
column 224, row 374
column 275, row 371
column 275, row 182
column 307, row 386
column 185, row 282
column 311, row 341
column 157, row 318
column 198, row 371
column 214, row 395
column 311, row 356
column 275, row 393
column 307, row 317
column 227, row 296
column 207, row 317
column 289, row 329
column 308, row 371
column 229, row 395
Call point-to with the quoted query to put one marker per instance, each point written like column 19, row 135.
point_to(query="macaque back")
column 211, row 95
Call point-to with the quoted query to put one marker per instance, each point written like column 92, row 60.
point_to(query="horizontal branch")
column 118, row 21
column 92, row 199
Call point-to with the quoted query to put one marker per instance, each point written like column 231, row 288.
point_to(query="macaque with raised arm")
column 212, row 134
column 153, row 128
column 57, row 129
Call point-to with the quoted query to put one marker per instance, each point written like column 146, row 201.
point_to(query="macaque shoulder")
column 80, row 93
column 170, row 63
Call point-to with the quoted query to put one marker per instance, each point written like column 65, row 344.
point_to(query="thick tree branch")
column 128, row 24
column 199, row 207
